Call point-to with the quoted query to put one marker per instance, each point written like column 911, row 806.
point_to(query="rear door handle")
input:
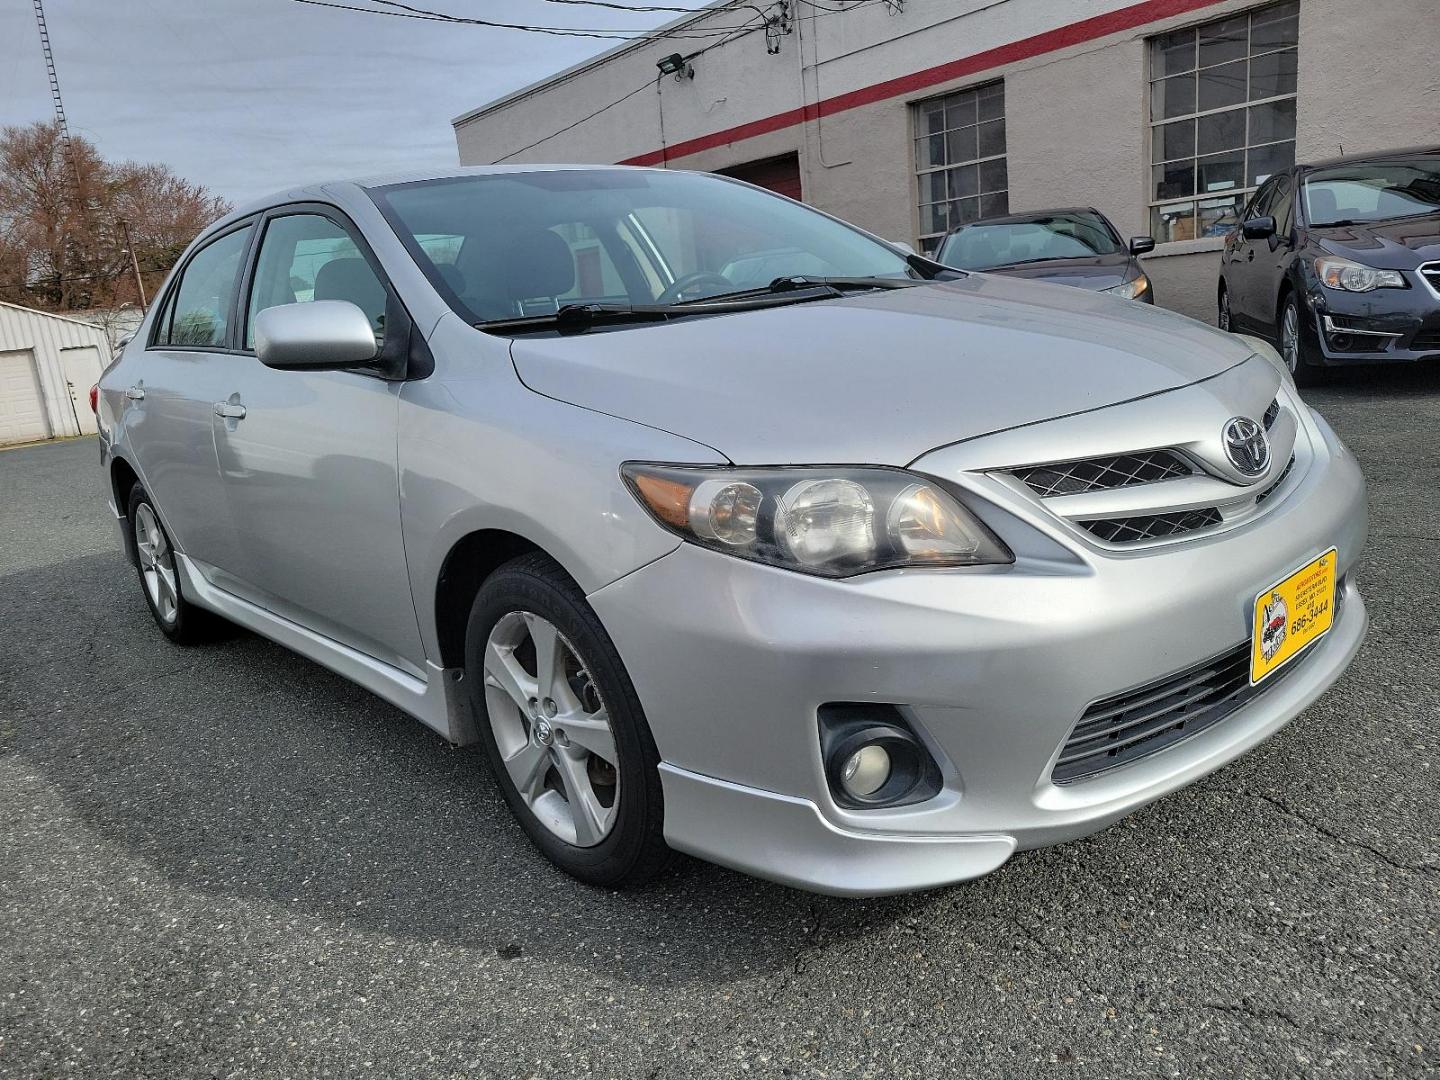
column 135, row 393
column 228, row 411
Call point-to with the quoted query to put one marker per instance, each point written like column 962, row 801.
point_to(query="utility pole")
column 134, row 264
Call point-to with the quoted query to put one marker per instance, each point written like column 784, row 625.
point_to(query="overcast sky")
column 247, row 96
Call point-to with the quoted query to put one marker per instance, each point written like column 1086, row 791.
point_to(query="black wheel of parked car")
column 1297, row 352
column 154, row 558
column 563, row 727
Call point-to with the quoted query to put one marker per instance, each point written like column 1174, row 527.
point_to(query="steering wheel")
column 677, row 289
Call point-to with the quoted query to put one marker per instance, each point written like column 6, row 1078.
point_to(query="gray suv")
column 727, row 527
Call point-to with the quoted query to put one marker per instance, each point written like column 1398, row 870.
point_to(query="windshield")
column 1372, row 191
column 981, row 245
column 503, row 246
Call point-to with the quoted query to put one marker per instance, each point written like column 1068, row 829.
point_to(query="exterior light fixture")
column 676, row 65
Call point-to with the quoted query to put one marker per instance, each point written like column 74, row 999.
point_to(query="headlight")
column 836, row 522
column 1337, row 273
column 1131, row 290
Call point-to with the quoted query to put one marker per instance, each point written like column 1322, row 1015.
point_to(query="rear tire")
column 154, row 557
column 551, row 727
column 1298, row 353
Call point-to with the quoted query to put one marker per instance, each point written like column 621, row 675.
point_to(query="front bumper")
column 993, row 666
column 1379, row 327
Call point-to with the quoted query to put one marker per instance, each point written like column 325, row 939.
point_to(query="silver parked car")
column 860, row 577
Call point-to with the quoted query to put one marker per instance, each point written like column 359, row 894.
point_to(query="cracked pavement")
column 226, row 862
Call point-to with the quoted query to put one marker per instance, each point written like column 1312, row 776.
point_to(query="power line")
column 743, row 32
column 396, row 9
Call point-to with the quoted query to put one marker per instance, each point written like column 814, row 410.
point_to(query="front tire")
column 563, row 727
column 154, row 558
column 1298, row 354
column 1223, row 318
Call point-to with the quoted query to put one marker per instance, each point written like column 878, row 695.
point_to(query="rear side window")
column 200, row 313
column 306, row 257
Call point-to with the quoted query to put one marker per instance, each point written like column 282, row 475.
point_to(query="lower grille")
column 1140, row 722
column 1131, row 530
column 1130, row 726
column 1428, row 338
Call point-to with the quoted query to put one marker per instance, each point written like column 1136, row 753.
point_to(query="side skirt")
column 439, row 700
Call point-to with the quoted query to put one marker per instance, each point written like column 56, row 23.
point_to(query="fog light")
column 865, row 771
column 873, row 757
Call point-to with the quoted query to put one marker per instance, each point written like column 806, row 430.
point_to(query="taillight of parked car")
column 95, row 399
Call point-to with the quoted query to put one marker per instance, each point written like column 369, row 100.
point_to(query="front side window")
column 529, row 243
column 305, row 257
column 986, row 245
column 960, row 160
column 200, row 313
column 1222, row 117
column 1372, row 191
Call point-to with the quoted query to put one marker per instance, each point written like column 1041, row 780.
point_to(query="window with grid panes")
column 960, row 160
column 1222, row 117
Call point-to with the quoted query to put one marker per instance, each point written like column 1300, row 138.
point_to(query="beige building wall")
column 1077, row 118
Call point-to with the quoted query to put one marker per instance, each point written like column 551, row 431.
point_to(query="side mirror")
column 314, row 336
column 1258, row 228
column 1139, row 245
column 903, row 246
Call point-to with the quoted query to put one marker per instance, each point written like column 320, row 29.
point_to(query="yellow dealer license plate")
column 1292, row 614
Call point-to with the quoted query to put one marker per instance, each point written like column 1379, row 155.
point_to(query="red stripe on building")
column 1114, row 22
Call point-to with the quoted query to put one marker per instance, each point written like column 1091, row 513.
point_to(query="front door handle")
column 135, row 393
column 229, row 411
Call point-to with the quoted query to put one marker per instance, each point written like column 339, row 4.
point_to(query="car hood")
column 1402, row 244
column 1097, row 272
column 879, row 378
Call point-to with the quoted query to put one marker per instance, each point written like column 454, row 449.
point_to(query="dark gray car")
column 1073, row 246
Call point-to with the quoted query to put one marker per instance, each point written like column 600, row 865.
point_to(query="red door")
column 780, row 175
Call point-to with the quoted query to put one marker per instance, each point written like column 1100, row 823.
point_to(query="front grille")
column 1271, row 413
column 1431, row 273
column 1131, row 530
column 1278, row 481
column 1099, row 474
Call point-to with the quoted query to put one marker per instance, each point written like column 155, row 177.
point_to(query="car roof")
column 322, row 190
column 1384, row 155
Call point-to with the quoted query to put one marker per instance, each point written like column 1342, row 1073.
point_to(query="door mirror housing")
column 1139, row 245
column 320, row 335
column 1258, row 228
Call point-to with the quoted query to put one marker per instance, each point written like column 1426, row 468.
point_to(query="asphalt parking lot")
column 226, row 862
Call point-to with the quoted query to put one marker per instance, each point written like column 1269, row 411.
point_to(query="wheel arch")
column 470, row 560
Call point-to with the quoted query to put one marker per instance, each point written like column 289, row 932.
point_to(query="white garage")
column 47, row 365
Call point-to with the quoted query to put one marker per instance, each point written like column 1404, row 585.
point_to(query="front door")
column 310, row 468
column 1239, row 259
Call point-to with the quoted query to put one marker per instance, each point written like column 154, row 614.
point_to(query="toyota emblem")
column 1246, row 445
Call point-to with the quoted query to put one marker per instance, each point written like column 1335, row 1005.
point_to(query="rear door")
column 310, row 469
column 169, row 400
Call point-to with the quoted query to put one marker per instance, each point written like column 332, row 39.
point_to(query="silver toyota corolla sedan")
column 728, row 528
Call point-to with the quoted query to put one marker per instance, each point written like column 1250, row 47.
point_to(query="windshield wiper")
column 825, row 286
column 577, row 318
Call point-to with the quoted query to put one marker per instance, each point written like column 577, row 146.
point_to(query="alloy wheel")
column 551, row 728
column 157, row 563
column 1290, row 338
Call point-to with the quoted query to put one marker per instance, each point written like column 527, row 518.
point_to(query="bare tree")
column 61, row 248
